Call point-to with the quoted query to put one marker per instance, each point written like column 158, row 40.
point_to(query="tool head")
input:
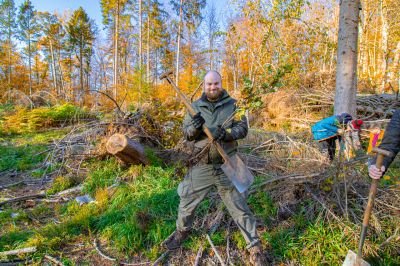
column 381, row 151
column 166, row 74
column 353, row 260
column 238, row 173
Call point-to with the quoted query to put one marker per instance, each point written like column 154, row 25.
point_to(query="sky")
column 92, row 7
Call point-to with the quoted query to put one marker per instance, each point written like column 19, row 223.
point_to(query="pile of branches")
column 305, row 107
column 295, row 172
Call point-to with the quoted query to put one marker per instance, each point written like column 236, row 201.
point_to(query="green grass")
column 13, row 238
column 102, row 175
column 142, row 213
column 263, row 206
column 138, row 214
column 26, row 151
column 21, row 157
column 61, row 183
column 135, row 216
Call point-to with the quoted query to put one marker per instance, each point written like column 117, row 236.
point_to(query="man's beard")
column 214, row 96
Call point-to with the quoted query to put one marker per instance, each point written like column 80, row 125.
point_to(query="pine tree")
column 81, row 34
column 28, row 32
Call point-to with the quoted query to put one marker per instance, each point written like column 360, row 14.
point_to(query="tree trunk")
column 396, row 62
column 346, row 72
column 61, row 73
column 37, row 70
column 148, row 44
column 71, row 88
column 129, row 151
column 140, row 45
column 395, row 71
column 9, row 61
column 30, row 66
column 81, row 72
column 53, row 68
column 178, row 44
column 116, row 51
column 385, row 30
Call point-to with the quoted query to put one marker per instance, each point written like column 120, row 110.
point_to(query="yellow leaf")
column 295, row 153
column 386, row 177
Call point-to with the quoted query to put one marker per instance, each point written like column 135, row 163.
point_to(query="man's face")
column 212, row 86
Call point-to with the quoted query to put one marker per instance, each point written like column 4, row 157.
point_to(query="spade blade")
column 238, row 173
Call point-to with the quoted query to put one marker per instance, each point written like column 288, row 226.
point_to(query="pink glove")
column 374, row 172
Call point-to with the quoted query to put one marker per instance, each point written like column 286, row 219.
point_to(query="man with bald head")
column 216, row 110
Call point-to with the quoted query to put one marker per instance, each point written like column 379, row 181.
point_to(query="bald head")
column 213, row 74
column 212, row 85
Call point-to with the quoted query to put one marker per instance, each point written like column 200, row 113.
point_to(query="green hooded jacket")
column 216, row 114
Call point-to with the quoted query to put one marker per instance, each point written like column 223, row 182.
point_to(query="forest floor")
column 308, row 211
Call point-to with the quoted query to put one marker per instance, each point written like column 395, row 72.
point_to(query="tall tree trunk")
column 155, row 77
column 140, row 46
column 37, row 70
column 9, row 38
column 346, row 72
column 30, row 66
column 178, row 44
column 362, row 38
column 385, row 30
column 211, row 47
column 53, row 67
column 71, row 88
column 148, row 44
column 375, row 60
column 62, row 90
column 116, row 51
column 81, row 73
column 395, row 71
column 9, row 61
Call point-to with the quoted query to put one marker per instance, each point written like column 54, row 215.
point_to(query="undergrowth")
column 24, row 120
column 135, row 209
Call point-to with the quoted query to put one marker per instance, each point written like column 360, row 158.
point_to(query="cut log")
column 18, row 251
column 126, row 149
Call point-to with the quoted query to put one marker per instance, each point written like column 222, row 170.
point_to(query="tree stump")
column 127, row 150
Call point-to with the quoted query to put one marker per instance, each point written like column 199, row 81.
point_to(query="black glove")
column 218, row 133
column 198, row 120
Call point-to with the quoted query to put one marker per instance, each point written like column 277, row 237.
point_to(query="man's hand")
column 374, row 172
column 218, row 133
column 198, row 121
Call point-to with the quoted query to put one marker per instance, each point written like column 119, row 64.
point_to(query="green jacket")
column 216, row 114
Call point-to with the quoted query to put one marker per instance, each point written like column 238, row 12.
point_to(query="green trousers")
column 195, row 187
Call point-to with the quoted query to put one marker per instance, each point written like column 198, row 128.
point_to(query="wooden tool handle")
column 370, row 204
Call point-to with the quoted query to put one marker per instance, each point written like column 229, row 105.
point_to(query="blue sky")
column 92, row 7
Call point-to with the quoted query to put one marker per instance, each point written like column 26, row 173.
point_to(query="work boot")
column 256, row 256
column 176, row 239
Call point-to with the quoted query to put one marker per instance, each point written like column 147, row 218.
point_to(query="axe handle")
column 205, row 129
column 370, row 204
